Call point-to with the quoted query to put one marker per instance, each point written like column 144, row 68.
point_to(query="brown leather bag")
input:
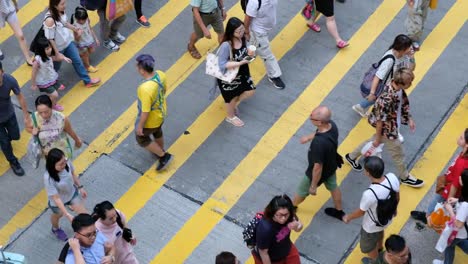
column 440, row 184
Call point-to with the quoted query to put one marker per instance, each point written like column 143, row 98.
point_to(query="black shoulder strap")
column 388, row 188
column 64, row 253
column 390, row 72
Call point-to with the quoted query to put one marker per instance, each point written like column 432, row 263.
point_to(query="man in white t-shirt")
column 372, row 231
column 260, row 18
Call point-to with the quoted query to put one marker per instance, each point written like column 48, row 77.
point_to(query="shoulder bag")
column 34, row 153
column 212, row 67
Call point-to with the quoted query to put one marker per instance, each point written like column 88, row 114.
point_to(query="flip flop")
column 235, row 121
column 342, row 44
column 194, row 52
column 315, row 27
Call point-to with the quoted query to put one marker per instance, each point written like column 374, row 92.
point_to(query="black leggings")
column 138, row 8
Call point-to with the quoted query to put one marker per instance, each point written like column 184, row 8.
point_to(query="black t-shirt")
column 322, row 150
column 275, row 237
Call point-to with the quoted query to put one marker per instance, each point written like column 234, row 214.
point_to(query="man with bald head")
column 323, row 161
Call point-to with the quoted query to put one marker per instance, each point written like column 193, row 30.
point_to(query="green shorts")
column 50, row 89
column 369, row 241
column 304, row 185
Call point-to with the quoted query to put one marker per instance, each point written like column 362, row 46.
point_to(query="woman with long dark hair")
column 242, row 87
column 273, row 243
column 112, row 223
column 57, row 31
column 63, row 189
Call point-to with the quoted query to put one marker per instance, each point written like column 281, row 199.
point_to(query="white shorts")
column 10, row 18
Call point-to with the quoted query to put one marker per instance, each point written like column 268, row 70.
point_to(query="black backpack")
column 386, row 208
column 245, row 2
column 250, row 231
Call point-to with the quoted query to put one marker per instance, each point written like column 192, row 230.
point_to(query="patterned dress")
column 52, row 133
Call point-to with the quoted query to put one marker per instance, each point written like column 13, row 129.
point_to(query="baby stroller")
column 11, row 258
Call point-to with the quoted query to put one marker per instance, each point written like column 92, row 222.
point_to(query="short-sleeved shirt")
column 9, row 85
column 263, row 19
column 274, row 237
column 58, row 32
column 151, row 99
column 7, row 6
column 204, row 6
column 91, row 255
column 386, row 65
column 462, row 216
column 368, row 202
column 64, row 188
column 322, row 150
column 86, row 38
column 453, row 175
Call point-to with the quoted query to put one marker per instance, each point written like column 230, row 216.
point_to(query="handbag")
column 212, row 67
column 34, row 153
column 309, row 11
column 118, row 8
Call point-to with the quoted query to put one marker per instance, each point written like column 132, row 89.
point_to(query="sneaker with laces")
column 59, row 234
column 412, row 181
column 118, row 38
column 110, row 45
column 92, row 69
column 164, row 161
column 93, row 82
column 354, row 163
column 16, row 168
column 419, row 215
column 277, row 82
column 143, row 21
column 57, row 107
column 358, row 109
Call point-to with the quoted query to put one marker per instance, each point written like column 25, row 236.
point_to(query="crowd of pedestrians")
column 103, row 236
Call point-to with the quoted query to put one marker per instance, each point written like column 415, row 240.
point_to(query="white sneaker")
column 401, row 138
column 358, row 109
column 109, row 44
column 118, row 38
column 437, row 261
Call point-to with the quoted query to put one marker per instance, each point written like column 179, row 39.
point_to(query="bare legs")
column 332, row 29
column 157, row 147
column 16, row 27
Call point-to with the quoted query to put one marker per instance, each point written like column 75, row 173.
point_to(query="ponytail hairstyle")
column 100, row 210
column 80, row 14
column 403, row 76
column 54, row 156
column 146, row 62
column 401, row 43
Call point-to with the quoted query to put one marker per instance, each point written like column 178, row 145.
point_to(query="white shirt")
column 58, row 32
column 386, row 65
column 462, row 216
column 263, row 19
column 368, row 202
column 46, row 73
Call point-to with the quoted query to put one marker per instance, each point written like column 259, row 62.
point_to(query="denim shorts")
column 74, row 200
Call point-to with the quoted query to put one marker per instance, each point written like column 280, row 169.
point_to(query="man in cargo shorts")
column 206, row 13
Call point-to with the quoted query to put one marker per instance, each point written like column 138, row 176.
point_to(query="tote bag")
column 34, row 153
column 212, row 67
column 118, row 8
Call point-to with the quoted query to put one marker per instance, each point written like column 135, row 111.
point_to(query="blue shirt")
column 6, row 107
column 91, row 255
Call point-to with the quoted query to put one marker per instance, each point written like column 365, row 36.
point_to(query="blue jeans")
column 450, row 250
column 437, row 198
column 366, row 104
column 71, row 51
column 9, row 131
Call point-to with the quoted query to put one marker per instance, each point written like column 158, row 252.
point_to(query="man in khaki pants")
column 414, row 23
column 390, row 111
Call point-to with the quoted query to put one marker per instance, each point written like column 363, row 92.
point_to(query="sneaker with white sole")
column 401, row 138
column 277, row 82
column 413, row 181
column 118, row 38
column 358, row 109
column 1, row 55
column 354, row 163
column 110, row 45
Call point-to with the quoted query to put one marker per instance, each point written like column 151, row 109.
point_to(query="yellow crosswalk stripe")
column 241, row 178
column 25, row 15
column 111, row 64
column 76, row 96
column 433, row 161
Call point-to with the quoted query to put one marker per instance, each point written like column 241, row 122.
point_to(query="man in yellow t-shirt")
column 151, row 109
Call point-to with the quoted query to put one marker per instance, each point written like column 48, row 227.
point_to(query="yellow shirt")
column 151, row 99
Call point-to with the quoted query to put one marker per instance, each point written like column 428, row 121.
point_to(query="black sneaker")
column 16, row 168
column 164, row 161
column 333, row 212
column 413, row 182
column 277, row 82
column 354, row 163
column 419, row 215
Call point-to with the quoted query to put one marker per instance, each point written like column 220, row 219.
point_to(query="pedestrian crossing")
column 273, row 141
